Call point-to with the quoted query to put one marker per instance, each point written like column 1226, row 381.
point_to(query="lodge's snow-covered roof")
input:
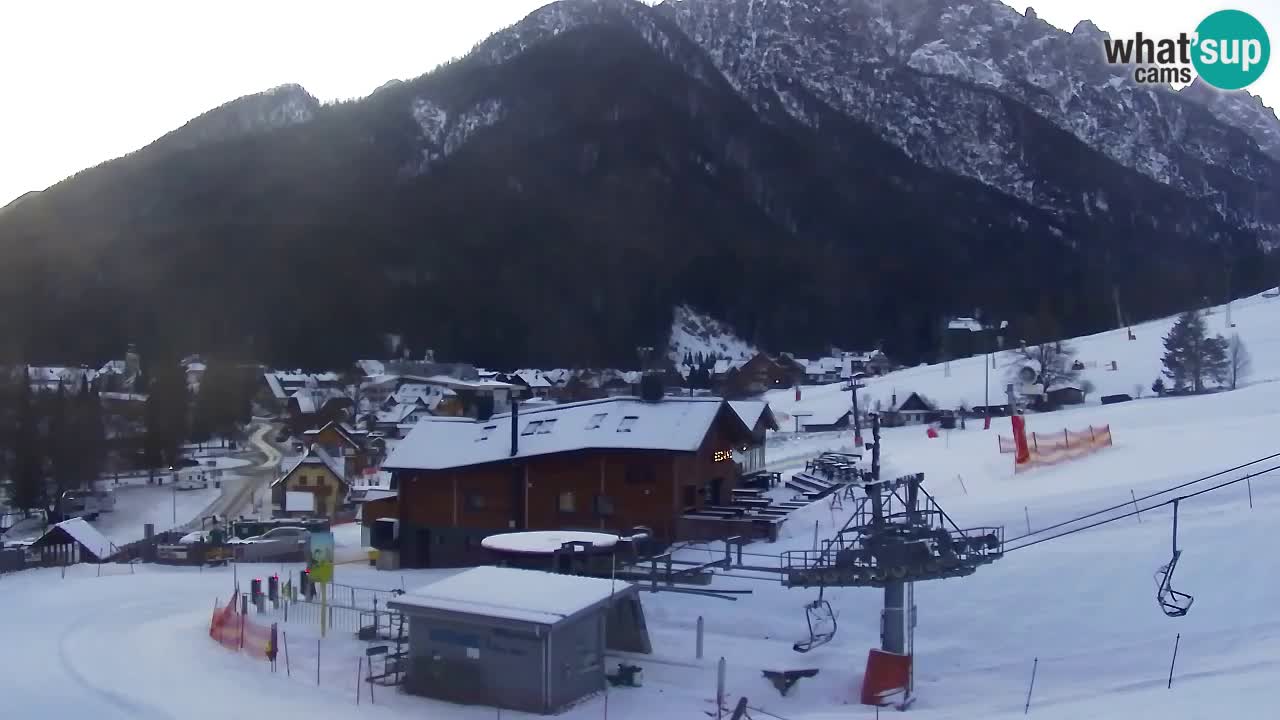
column 311, row 400
column 371, row 368
column 676, row 424
column 823, row 415
column 545, row 542
column 531, row 596
column 88, row 536
column 749, row 410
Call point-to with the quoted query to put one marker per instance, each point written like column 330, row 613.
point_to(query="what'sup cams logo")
column 1229, row 50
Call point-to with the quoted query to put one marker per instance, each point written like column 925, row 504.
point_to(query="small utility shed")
column 517, row 639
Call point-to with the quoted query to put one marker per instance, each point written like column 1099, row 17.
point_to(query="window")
column 604, row 505
column 532, row 427
column 567, row 503
column 475, row 501
column 484, row 432
column 627, row 422
column 640, row 475
column 546, row 427
column 596, row 420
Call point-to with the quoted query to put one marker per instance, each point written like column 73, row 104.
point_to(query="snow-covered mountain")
column 1240, row 109
column 952, row 83
column 693, row 333
column 272, row 109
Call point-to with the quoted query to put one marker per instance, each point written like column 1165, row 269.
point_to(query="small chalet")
column 614, row 464
column 1060, row 395
column 756, row 415
column 318, row 474
column 348, row 446
column 313, row 407
column 915, row 410
column 824, row 419
column 758, row 375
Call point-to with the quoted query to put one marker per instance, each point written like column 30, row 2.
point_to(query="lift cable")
column 1144, row 497
column 1134, row 512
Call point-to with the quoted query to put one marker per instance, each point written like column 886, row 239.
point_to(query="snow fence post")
column 1248, row 481
column 1176, row 640
column 1135, row 506
column 720, row 688
column 1035, row 665
column 317, row 662
column 285, row 640
column 699, row 643
column 1026, row 509
column 359, row 670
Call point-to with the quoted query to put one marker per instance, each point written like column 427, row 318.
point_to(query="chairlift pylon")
column 1172, row 602
column 821, row 620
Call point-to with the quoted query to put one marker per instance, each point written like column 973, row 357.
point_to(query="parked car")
column 280, row 533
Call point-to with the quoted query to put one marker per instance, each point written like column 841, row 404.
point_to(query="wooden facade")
column 444, row 514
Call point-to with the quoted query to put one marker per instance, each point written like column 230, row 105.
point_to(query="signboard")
column 320, row 557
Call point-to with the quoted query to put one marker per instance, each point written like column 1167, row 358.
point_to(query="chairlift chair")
column 822, row 624
column 1172, row 602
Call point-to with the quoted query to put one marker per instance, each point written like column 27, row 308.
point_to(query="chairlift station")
column 897, row 535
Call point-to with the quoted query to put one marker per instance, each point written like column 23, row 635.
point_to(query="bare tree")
column 1238, row 361
column 1052, row 361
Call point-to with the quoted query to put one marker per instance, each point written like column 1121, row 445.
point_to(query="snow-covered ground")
column 137, row 646
column 1137, row 363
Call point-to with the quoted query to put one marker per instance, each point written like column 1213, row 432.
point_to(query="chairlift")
column 822, row 624
column 1172, row 602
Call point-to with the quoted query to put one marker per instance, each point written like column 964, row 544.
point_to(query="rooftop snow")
column 677, row 424
column 88, row 536
column 526, row 595
column 545, row 541
column 749, row 410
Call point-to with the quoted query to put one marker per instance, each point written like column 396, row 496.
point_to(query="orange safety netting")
column 232, row 630
column 1050, row 448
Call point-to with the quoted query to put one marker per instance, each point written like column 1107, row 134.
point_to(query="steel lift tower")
column 896, row 536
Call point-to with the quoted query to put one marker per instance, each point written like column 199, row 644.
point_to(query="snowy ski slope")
column 136, row 646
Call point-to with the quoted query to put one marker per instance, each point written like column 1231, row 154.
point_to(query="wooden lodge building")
column 610, row 464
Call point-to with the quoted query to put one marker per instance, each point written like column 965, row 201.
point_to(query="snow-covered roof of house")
column 312, row 400
column 87, row 535
column 675, row 424
column 533, row 378
column 823, row 415
column 559, row 376
column 125, row 397
column 531, row 596
column 315, row 455
column 965, row 323
column 545, row 542
column 273, row 384
column 196, row 367
column 455, row 383
column 723, row 366
column 396, row 414
column 364, row 495
column 749, row 410
column 371, row 368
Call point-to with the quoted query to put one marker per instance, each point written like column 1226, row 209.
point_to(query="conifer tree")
column 1191, row 356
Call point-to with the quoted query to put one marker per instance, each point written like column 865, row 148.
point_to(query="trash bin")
column 373, row 558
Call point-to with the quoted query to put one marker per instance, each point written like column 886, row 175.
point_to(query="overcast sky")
column 84, row 81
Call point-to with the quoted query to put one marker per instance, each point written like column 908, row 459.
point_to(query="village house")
column 317, row 474
column 756, row 376
column 612, row 464
column 346, row 445
column 822, row 419
column 756, row 415
column 914, row 410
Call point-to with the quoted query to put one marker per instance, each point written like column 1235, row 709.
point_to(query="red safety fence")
column 232, row 630
column 1054, row 447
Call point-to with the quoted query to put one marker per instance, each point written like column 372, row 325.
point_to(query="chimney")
column 515, row 427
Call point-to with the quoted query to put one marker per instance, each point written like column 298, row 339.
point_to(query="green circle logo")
column 1232, row 49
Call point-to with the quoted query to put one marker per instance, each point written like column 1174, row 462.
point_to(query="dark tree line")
column 52, row 441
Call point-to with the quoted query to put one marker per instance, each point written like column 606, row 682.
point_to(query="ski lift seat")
column 1172, row 602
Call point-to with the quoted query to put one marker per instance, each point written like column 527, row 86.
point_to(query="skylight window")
column 532, row 427
column 627, row 422
column 484, row 432
column 547, row 426
column 596, row 420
